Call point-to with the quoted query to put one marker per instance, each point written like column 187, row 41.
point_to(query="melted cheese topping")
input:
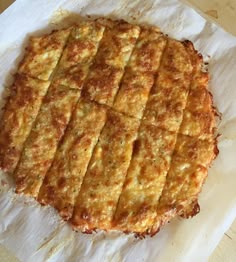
column 199, row 115
column 102, row 83
column 139, row 76
column 145, row 179
column 148, row 51
column 19, row 114
column 42, row 142
column 168, row 96
column 117, row 44
column 63, row 181
column 187, row 173
column 133, row 94
column 82, row 44
column 198, row 123
column 43, row 53
column 72, row 77
column 105, row 176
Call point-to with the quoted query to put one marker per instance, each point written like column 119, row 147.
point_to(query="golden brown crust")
column 43, row 139
column 43, row 53
column 105, row 176
column 168, row 96
column 63, row 181
column 19, row 114
column 145, row 180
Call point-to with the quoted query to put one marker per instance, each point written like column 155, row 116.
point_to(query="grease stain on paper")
column 63, row 17
column 213, row 13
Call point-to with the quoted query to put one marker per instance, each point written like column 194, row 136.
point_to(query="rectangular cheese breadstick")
column 102, row 185
column 140, row 72
column 63, row 181
column 199, row 117
column 145, row 180
column 19, row 114
column 168, row 96
column 113, row 54
column 199, row 114
column 187, row 173
column 43, row 54
column 43, row 139
column 78, row 54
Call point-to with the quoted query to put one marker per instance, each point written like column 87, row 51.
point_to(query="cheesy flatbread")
column 199, row 115
column 72, row 77
column 111, row 124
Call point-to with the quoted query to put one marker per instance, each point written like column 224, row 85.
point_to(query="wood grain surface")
column 222, row 12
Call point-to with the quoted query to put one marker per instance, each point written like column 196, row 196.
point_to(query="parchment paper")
column 34, row 233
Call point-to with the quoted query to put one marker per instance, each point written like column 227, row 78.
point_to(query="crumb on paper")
column 59, row 15
column 64, row 17
column 213, row 13
column 4, row 183
column 54, row 249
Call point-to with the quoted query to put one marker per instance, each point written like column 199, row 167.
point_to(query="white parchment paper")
column 34, row 233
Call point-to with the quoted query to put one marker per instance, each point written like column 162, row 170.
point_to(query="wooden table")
column 222, row 12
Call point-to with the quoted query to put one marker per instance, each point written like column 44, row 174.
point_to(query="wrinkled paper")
column 35, row 233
